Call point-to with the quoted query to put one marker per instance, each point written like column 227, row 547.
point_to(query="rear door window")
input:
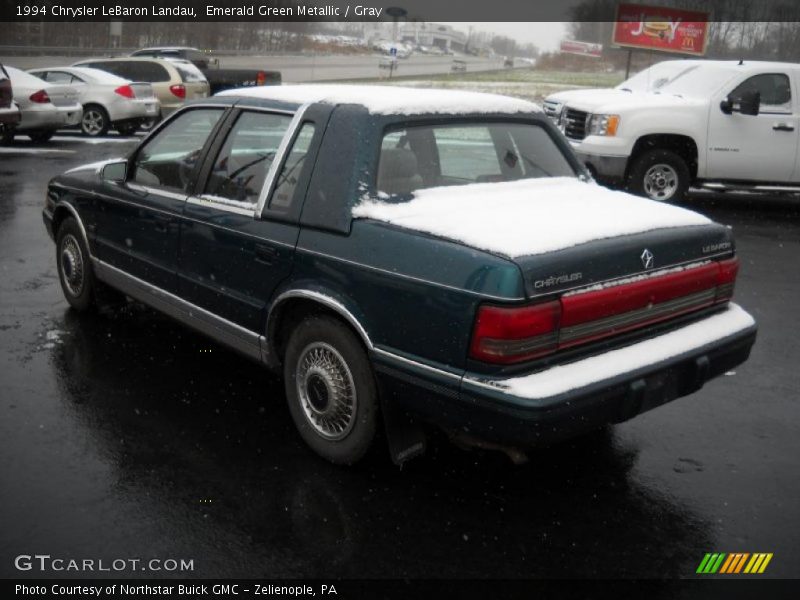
column 245, row 158
column 289, row 176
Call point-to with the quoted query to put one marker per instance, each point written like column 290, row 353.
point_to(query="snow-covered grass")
column 527, row 217
column 573, row 376
column 528, row 84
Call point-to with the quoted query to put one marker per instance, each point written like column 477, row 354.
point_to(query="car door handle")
column 783, row 127
column 266, row 254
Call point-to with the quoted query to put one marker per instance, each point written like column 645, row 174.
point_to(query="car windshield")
column 461, row 153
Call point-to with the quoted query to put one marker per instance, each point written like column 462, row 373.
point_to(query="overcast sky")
column 545, row 35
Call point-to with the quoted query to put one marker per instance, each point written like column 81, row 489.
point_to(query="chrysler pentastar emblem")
column 647, row 258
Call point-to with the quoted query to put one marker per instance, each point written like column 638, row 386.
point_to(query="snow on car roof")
column 529, row 216
column 390, row 100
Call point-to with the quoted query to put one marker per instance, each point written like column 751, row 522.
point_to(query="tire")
column 95, row 121
column 6, row 135
column 127, row 128
column 660, row 175
column 74, row 266
column 148, row 124
column 40, row 137
column 326, row 367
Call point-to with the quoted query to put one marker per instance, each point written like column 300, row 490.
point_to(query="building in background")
column 434, row 35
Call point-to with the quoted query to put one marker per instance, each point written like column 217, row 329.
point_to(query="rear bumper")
column 138, row 109
column 568, row 400
column 50, row 117
column 9, row 117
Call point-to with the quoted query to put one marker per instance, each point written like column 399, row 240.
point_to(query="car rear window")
column 189, row 73
column 461, row 153
column 134, row 70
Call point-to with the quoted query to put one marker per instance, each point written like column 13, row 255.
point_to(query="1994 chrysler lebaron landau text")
column 407, row 257
column 74, row 12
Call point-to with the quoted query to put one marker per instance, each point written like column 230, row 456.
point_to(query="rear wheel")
column 95, row 120
column 331, row 390
column 74, row 266
column 40, row 137
column 659, row 175
column 6, row 135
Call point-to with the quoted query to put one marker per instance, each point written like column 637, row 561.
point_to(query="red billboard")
column 582, row 48
column 661, row 28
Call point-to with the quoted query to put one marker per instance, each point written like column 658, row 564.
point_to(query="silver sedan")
column 108, row 100
column 44, row 107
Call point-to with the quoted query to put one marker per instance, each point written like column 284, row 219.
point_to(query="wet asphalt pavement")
column 125, row 435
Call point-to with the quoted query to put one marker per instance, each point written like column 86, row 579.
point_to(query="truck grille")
column 575, row 123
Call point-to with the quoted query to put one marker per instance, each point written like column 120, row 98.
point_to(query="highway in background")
column 301, row 68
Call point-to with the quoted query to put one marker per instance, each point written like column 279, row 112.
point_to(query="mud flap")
column 404, row 436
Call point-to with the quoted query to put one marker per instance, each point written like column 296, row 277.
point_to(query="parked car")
column 218, row 79
column 173, row 81
column 108, row 101
column 44, row 107
column 9, row 112
column 717, row 124
column 430, row 253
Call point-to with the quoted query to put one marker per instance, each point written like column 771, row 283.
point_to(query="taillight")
column 513, row 334
column 125, row 91
column 505, row 335
column 40, row 97
column 726, row 279
column 178, row 90
column 261, row 78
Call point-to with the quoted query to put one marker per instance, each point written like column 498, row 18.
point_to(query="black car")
column 428, row 256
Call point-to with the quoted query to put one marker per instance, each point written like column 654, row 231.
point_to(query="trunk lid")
column 142, row 91
column 604, row 261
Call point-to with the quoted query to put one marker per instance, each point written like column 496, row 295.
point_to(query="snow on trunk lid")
column 528, row 217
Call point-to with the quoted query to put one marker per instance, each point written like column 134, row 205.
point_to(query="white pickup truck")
column 715, row 124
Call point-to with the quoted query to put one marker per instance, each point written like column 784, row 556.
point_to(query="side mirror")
column 748, row 103
column 115, row 171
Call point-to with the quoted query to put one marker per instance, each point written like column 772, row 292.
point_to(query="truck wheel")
column 74, row 266
column 330, row 388
column 659, row 175
column 95, row 120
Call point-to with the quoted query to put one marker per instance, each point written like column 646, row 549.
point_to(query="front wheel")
column 74, row 266
column 660, row 175
column 331, row 390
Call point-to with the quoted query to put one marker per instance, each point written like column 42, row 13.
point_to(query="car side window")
column 774, row 88
column 58, row 77
column 289, row 175
column 244, row 160
column 168, row 159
